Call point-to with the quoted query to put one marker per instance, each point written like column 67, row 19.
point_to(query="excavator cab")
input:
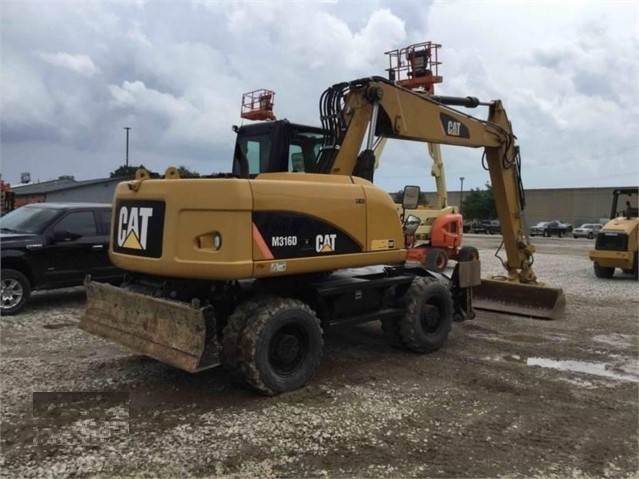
column 276, row 146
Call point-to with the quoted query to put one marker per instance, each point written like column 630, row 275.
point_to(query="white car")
column 587, row 230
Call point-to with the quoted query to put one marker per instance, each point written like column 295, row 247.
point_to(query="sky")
column 75, row 74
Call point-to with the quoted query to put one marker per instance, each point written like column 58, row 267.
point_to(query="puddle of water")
column 524, row 338
column 596, row 369
column 620, row 340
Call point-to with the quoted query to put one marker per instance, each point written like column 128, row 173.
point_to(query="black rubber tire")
column 603, row 272
column 467, row 253
column 428, row 315
column 16, row 291
column 436, row 260
column 233, row 332
column 390, row 326
column 590, row 235
column 281, row 346
column 575, row 236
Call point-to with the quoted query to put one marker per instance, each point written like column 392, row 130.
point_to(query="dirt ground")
column 507, row 397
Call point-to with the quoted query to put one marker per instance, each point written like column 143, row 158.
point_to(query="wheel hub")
column 11, row 293
column 431, row 317
column 286, row 351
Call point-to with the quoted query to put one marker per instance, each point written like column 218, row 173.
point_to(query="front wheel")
column 436, row 260
column 603, row 272
column 428, row 315
column 281, row 346
column 16, row 291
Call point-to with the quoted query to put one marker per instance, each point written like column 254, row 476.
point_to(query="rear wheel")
column 603, row 272
column 233, row 332
column 281, row 346
column 428, row 315
column 16, row 291
column 436, row 260
column 468, row 253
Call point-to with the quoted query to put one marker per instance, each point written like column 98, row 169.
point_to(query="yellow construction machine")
column 247, row 269
column 616, row 243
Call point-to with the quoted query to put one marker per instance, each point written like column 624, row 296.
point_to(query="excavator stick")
column 531, row 300
column 175, row 333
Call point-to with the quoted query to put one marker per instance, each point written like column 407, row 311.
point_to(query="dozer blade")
column 171, row 332
column 534, row 301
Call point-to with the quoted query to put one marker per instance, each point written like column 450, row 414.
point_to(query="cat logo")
column 133, row 227
column 454, row 128
column 325, row 243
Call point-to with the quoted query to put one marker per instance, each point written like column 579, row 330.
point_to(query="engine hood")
column 17, row 239
column 620, row 225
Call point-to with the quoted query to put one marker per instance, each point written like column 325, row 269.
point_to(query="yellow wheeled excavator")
column 247, row 269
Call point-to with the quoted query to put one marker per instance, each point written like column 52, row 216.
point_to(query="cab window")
column 257, row 151
column 78, row 223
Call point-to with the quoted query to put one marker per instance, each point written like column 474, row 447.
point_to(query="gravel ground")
column 507, row 397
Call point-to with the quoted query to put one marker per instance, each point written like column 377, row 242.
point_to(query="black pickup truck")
column 550, row 228
column 53, row 245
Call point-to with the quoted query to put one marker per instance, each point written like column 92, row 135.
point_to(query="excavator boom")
column 356, row 113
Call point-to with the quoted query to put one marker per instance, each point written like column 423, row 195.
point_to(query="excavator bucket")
column 175, row 333
column 534, row 301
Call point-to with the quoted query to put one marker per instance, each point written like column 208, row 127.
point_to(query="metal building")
column 569, row 205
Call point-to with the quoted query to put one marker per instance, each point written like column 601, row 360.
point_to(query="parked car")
column 587, row 230
column 549, row 228
column 53, row 245
column 568, row 226
column 487, row 227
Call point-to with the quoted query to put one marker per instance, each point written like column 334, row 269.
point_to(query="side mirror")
column 60, row 236
column 411, row 197
column 411, row 224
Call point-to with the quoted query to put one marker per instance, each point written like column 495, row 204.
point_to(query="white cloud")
column 81, row 64
column 567, row 73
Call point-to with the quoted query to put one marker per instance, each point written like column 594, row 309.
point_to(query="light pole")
column 461, row 193
column 127, row 128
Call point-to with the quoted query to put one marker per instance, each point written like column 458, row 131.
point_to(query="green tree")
column 186, row 173
column 124, row 171
column 479, row 204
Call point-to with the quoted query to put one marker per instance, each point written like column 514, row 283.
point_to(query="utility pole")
column 127, row 128
column 461, row 193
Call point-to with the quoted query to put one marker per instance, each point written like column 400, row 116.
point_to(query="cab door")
column 70, row 251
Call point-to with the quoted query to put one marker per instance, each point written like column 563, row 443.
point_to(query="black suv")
column 53, row 245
